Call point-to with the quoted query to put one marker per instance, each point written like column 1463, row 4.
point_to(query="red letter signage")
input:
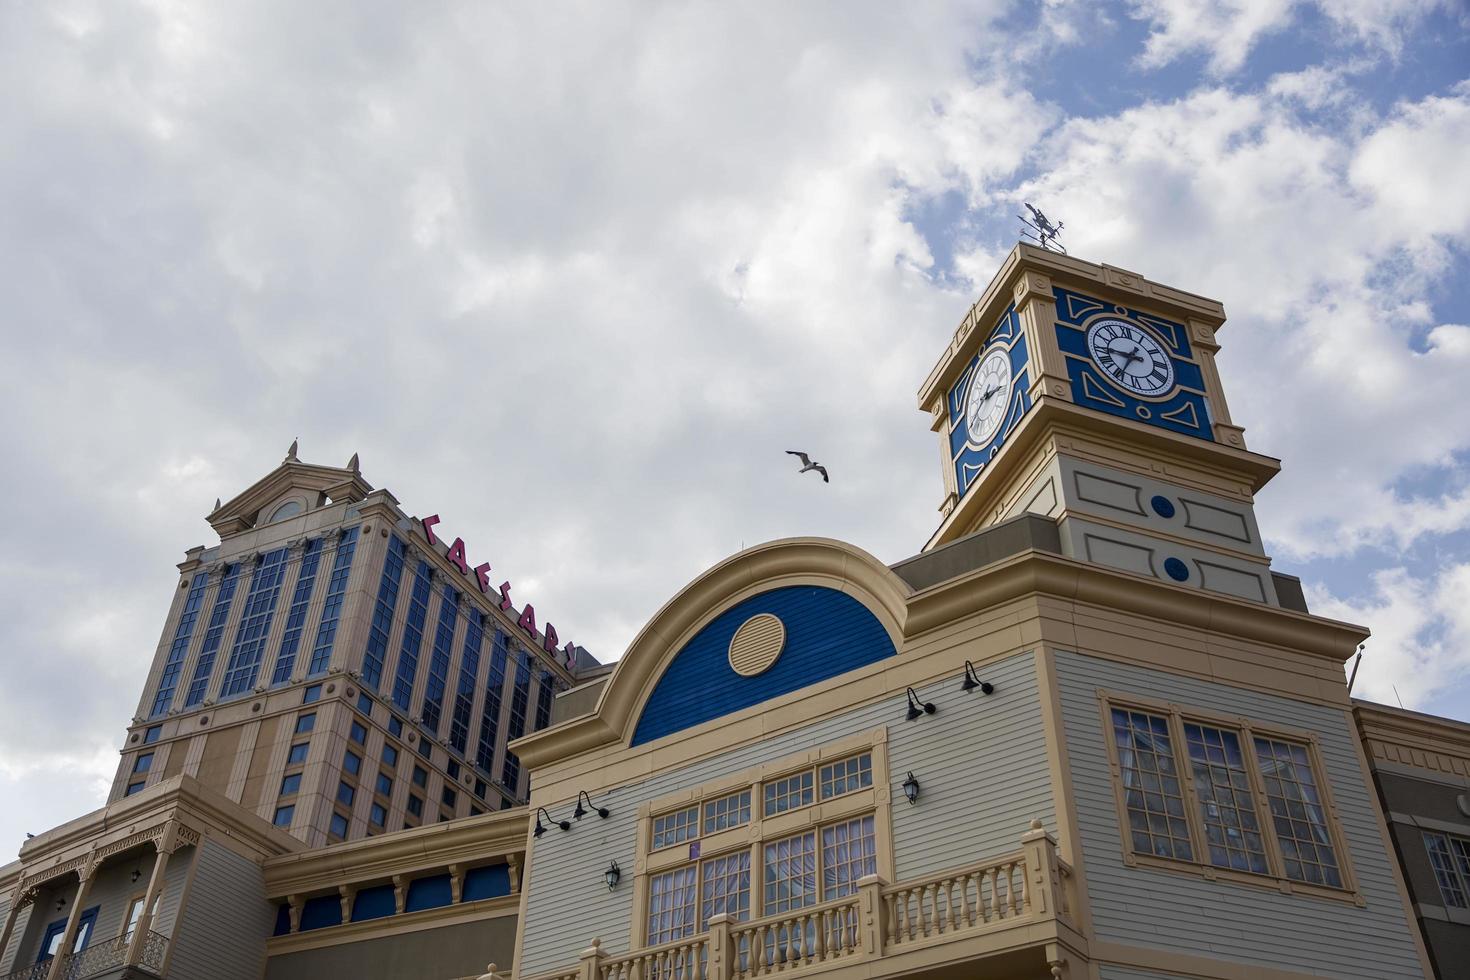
column 428, row 523
column 482, row 575
column 456, row 556
column 548, row 642
column 527, row 621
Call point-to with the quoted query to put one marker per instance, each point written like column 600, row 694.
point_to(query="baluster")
column 908, row 912
column 935, row 922
column 965, row 917
column 890, row 933
column 758, row 951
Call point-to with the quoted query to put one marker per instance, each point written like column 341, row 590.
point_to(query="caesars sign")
column 527, row 620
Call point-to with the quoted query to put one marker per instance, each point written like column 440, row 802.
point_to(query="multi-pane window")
column 415, row 805
column 788, row 794
column 1153, row 794
column 152, row 734
column 462, row 716
column 413, row 637
column 305, row 723
column 219, row 614
column 675, row 828
column 365, row 703
column 384, row 784
column 510, row 770
column 338, row 827
column 143, row 762
column 312, row 694
column 1250, row 802
column 671, row 905
column 544, row 693
column 283, row 816
column 357, row 732
column 255, row 622
column 848, row 854
column 376, row 651
column 377, row 816
column 168, row 681
column 846, row 775
column 433, row 706
column 1227, row 809
column 727, row 811
column 1297, row 813
column 297, row 753
column 351, row 763
column 311, row 558
column 725, row 887
column 390, row 754
column 420, row 777
column 326, row 630
column 490, row 711
column 1450, row 857
column 290, row 785
column 346, row 794
column 790, row 873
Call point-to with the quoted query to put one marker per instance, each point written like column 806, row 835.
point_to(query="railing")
column 100, row 958
column 1031, row 885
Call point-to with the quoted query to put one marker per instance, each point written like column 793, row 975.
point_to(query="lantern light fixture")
column 611, row 875
column 591, row 807
column 563, row 824
column 917, row 707
column 971, row 681
column 911, row 788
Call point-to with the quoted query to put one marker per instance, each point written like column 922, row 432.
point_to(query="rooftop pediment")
column 317, row 484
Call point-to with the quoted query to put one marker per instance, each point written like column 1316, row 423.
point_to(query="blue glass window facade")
column 297, row 755
column 464, row 694
column 413, row 637
column 260, row 608
column 433, row 708
column 382, row 624
column 218, row 616
column 168, row 681
column 311, row 557
column 520, row 698
column 544, row 694
column 326, row 631
column 490, row 712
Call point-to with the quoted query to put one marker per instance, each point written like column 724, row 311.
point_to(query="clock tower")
column 1089, row 394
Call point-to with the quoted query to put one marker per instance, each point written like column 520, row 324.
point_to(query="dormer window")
column 289, row 509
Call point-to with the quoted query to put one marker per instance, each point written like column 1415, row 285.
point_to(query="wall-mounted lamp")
column 917, row 707
column 911, row 788
column 611, row 875
column 563, row 824
column 61, row 903
column 582, row 811
column 137, row 873
column 971, row 681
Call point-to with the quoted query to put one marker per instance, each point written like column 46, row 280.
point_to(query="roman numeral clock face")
column 1130, row 357
column 989, row 397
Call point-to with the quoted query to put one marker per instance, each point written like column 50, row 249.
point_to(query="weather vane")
column 1045, row 233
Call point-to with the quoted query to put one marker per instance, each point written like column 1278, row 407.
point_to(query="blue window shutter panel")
column 827, row 633
column 321, row 912
column 427, row 893
column 488, row 882
column 372, row 903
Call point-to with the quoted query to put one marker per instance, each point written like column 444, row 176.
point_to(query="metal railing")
column 1021, row 888
column 100, row 958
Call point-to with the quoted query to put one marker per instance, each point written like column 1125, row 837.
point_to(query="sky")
column 575, row 276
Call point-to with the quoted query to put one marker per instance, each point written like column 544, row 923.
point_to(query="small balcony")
column 1011, row 916
column 104, row 959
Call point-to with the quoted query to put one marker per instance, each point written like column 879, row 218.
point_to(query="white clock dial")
column 1130, row 357
column 989, row 396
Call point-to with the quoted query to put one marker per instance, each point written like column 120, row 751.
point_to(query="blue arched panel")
column 827, row 633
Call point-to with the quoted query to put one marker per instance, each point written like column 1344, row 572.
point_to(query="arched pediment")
column 839, row 608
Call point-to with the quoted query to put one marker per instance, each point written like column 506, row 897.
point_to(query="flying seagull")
column 807, row 464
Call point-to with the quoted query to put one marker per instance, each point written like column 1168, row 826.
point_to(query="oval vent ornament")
column 756, row 645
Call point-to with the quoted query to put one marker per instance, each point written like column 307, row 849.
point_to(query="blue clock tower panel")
column 1183, row 409
column 969, row 457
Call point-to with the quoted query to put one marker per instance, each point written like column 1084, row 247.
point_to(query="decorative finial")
column 353, row 465
column 216, row 505
column 1036, row 823
column 489, row 973
column 291, row 453
column 1045, row 232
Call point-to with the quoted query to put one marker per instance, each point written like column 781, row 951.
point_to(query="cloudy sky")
column 574, row 276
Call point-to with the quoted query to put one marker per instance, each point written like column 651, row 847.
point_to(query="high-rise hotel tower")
column 339, row 669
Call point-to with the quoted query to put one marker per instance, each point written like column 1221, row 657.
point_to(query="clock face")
column 989, row 396
column 1130, row 357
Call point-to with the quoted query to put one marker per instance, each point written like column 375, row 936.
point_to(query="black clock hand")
column 1131, row 355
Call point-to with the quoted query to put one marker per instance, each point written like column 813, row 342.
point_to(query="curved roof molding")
column 787, row 562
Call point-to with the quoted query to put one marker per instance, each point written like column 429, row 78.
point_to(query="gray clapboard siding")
column 174, row 877
column 222, row 928
column 17, row 937
column 1133, row 973
column 1184, row 913
column 980, row 760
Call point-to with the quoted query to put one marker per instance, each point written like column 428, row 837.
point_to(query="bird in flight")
column 807, row 464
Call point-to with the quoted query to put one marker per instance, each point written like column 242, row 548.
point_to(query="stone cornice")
column 352, row 932
column 1414, row 739
column 467, row 840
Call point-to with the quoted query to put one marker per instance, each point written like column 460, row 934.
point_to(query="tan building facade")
column 1086, row 732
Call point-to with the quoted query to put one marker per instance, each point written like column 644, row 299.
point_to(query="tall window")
column 1258, row 810
column 544, row 693
column 326, row 630
column 413, row 636
column 433, row 707
column 770, row 877
column 168, row 681
column 510, row 772
column 311, row 557
column 1450, row 857
column 490, row 711
column 464, row 694
column 219, row 614
column 377, row 644
column 255, row 622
